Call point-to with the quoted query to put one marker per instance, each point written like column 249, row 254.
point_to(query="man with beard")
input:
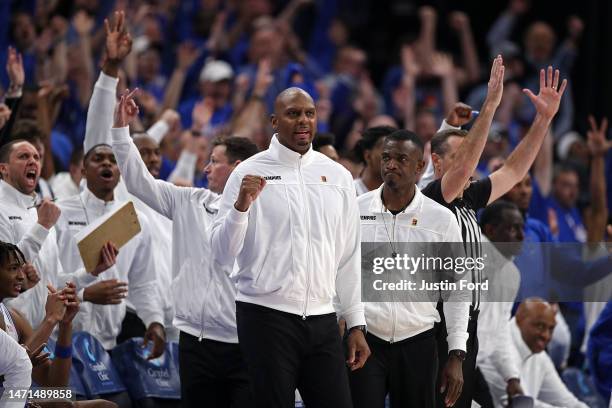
column 211, row 366
column 105, row 295
column 289, row 218
column 30, row 226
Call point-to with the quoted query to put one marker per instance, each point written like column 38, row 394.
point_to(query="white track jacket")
column 423, row 220
column 135, row 265
column 204, row 296
column 298, row 245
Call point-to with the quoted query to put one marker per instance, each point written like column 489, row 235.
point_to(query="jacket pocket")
column 188, row 289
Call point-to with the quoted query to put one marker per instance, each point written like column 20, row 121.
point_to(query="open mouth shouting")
column 31, row 176
column 106, row 174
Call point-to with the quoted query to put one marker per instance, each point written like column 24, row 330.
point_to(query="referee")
column 455, row 154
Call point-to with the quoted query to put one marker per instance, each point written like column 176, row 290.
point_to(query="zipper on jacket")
column 393, row 311
column 305, row 200
column 202, row 316
column 392, row 322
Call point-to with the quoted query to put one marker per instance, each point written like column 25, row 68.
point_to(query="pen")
column 38, row 205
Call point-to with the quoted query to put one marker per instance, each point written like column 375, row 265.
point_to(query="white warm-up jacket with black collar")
column 204, row 296
column 135, row 265
column 423, row 220
column 298, row 245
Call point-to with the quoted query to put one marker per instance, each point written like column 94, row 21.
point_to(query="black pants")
column 407, row 370
column 482, row 394
column 131, row 326
column 213, row 374
column 469, row 365
column 284, row 352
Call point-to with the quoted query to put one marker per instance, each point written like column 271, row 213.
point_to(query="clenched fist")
column 48, row 213
column 249, row 191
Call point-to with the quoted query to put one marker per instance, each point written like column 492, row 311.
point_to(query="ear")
column 420, row 167
column 3, row 170
column 274, row 122
column 436, row 161
column 367, row 156
column 234, row 164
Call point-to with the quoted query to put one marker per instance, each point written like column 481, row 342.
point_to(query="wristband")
column 63, row 352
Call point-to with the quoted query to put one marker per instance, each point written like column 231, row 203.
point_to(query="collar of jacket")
column 94, row 203
column 517, row 338
column 287, row 156
column 377, row 206
column 12, row 195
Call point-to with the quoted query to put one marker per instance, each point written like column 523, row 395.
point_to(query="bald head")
column 288, row 94
column 149, row 152
column 294, row 119
column 533, row 306
column 536, row 320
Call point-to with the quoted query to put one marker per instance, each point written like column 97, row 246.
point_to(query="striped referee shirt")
column 475, row 197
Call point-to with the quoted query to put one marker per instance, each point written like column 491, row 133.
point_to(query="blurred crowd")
column 206, row 69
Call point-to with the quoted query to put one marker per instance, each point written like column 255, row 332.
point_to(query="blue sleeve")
column 599, row 351
column 5, row 19
column 184, row 111
column 500, row 30
column 567, row 266
column 538, row 207
column 321, row 49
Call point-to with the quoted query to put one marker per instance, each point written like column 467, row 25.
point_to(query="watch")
column 361, row 327
column 459, row 354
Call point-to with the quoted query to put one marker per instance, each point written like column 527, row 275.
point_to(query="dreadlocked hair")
column 6, row 250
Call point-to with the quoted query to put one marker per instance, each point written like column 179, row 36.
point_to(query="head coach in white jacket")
column 212, row 369
column 289, row 217
column 401, row 334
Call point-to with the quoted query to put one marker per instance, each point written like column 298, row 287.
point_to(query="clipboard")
column 118, row 226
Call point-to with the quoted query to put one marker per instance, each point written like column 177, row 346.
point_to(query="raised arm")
column 157, row 194
column 16, row 74
column 596, row 215
column 518, row 163
column 468, row 154
column 186, row 55
column 426, row 43
column 102, row 104
column 460, row 22
column 504, row 24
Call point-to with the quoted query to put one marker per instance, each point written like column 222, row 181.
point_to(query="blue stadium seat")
column 94, row 366
column 151, row 383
